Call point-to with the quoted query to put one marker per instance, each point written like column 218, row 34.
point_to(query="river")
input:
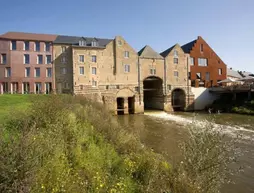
column 163, row 132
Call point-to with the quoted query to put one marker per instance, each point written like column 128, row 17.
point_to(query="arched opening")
column 120, row 106
column 153, row 93
column 178, row 99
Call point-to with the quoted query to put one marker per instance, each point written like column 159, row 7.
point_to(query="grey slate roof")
column 166, row 52
column 148, row 52
column 187, row 47
column 233, row 73
column 74, row 40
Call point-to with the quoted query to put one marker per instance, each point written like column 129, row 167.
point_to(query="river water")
column 163, row 132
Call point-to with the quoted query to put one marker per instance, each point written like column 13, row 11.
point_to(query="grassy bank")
column 66, row 144
column 9, row 103
column 69, row 144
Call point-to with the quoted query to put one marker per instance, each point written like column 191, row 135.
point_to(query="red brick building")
column 206, row 67
column 26, row 63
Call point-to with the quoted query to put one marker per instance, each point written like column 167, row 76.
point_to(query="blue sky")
column 227, row 25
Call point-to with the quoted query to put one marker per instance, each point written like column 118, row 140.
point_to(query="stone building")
column 178, row 95
column 106, row 70
column 102, row 69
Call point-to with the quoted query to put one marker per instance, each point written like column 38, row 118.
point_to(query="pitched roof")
column 187, row 47
column 233, row 73
column 74, row 40
column 28, row 36
column 166, row 52
column 148, row 52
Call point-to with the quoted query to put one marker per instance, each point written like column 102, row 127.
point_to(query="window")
column 207, row 76
column 175, row 73
column 94, row 43
column 63, row 70
column 48, row 87
column 39, row 59
column 127, row 68
column 37, row 72
column 81, row 58
column 49, row 72
column 38, row 89
column 63, row 49
column 48, row 59
column 47, row 46
column 13, row 45
column 94, row 70
column 26, row 45
column 8, row 72
column 202, row 61
column 94, row 58
column 175, row 60
column 201, row 48
column 81, row 70
column 26, row 59
column 26, row 88
column 198, row 75
column 192, row 61
column 220, row 71
column 175, row 53
column 5, row 87
column 119, row 42
column 126, row 54
column 82, row 43
column 152, row 70
column 37, row 46
column 3, row 59
column 94, row 83
column 189, row 75
column 27, row 72
column 63, row 59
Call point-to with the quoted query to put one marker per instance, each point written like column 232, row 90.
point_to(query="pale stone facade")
column 177, row 72
column 112, row 72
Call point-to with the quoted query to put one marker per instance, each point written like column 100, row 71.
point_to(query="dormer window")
column 94, row 44
column 82, row 43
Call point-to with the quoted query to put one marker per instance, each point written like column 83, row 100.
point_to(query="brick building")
column 206, row 67
column 26, row 63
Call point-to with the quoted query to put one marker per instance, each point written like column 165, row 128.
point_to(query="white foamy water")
column 228, row 129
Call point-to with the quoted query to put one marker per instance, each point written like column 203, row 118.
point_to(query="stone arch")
column 178, row 99
column 125, row 92
column 153, row 93
column 125, row 101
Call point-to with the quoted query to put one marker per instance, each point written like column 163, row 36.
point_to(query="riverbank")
column 227, row 105
column 67, row 144
column 61, row 143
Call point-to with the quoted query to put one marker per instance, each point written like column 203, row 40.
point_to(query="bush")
column 206, row 157
column 69, row 144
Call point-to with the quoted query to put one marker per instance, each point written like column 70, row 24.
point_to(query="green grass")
column 11, row 103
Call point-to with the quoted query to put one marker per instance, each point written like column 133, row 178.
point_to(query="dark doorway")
column 178, row 100
column 120, row 106
column 153, row 93
column 131, row 102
